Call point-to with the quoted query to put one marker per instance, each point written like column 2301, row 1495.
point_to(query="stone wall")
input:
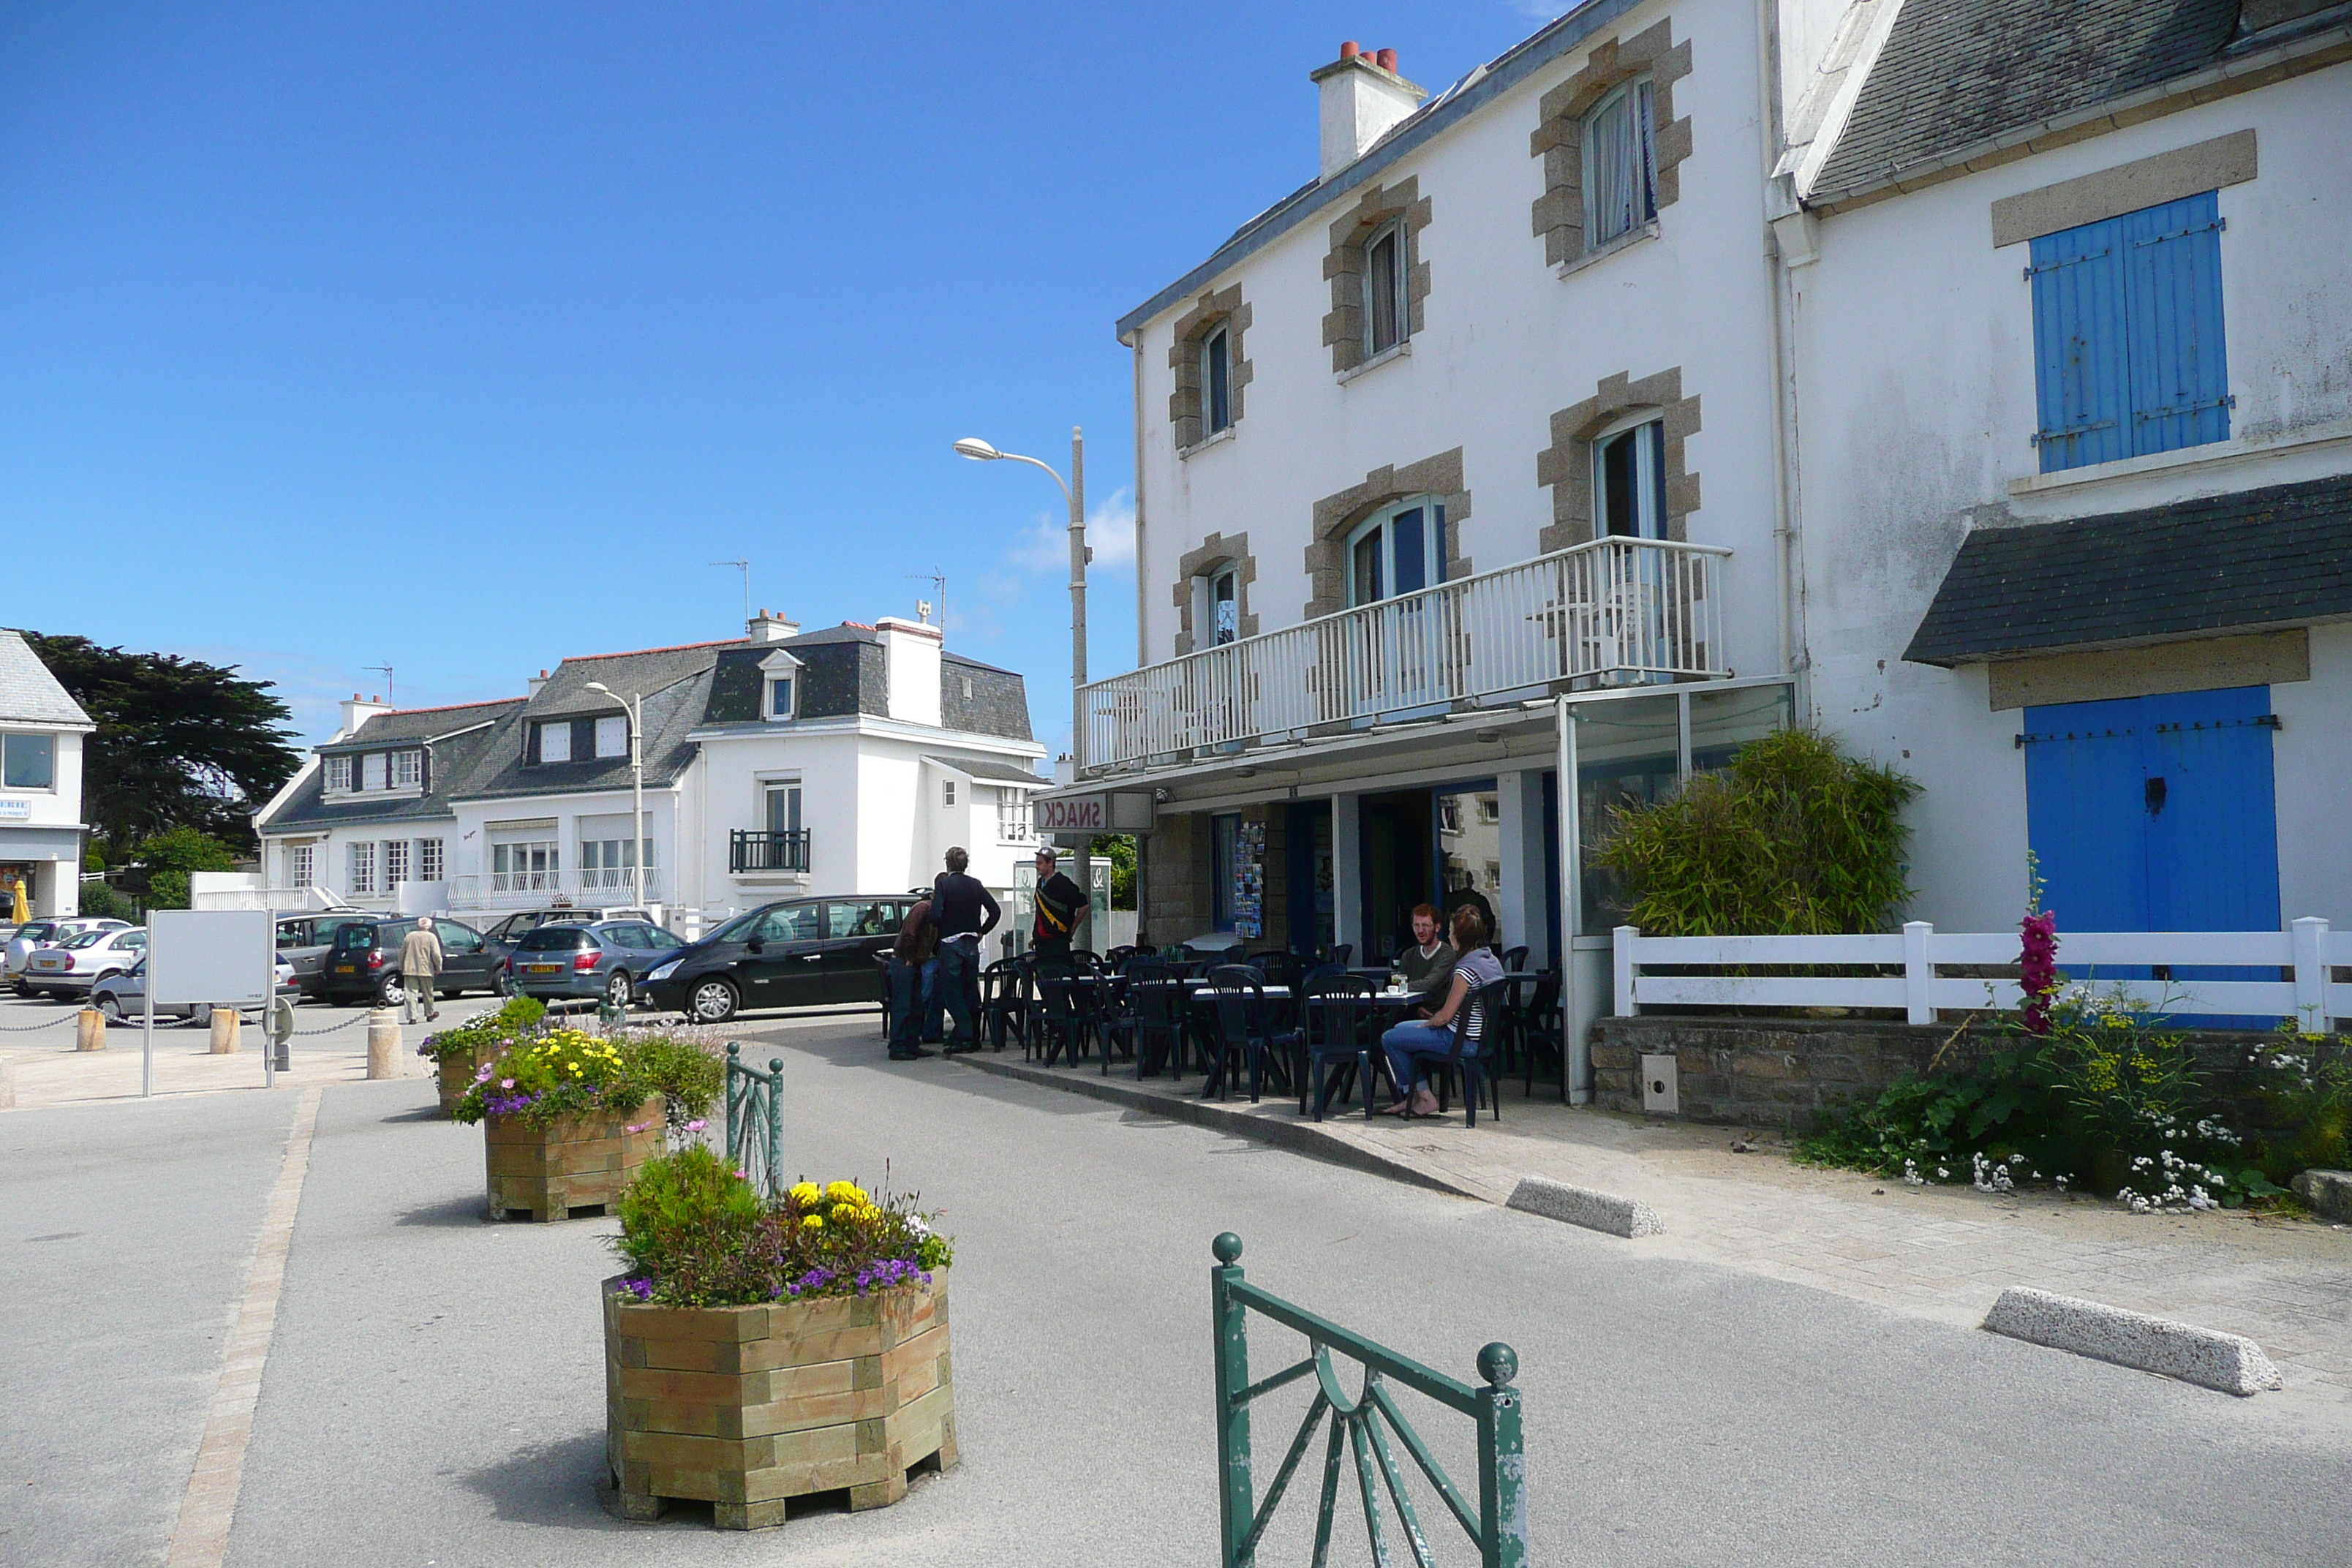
column 1785, row 1072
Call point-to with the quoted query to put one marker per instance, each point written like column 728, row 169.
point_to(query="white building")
column 839, row 761
column 41, row 829
column 1661, row 368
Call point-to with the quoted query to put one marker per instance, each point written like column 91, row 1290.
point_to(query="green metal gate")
column 755, row 1122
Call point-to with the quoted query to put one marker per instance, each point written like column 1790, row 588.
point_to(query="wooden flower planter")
column 455, row 1074
column 746, row 1407
column 572, row 1163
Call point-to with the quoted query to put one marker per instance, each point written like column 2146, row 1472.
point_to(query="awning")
column 2278, row 556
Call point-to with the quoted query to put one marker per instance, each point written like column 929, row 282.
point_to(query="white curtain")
column 1622, row 199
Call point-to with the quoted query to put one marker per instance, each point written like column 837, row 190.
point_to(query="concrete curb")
column 2207, row 1357
column 1298, row 1137
column 1604, row 1212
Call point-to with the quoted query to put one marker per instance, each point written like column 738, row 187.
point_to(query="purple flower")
column 503, row 1083
column 697, row 1125
column 636, row 1127
column 643, row 1289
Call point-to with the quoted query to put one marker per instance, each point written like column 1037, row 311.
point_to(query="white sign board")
column 15, row 810
column 224, row 956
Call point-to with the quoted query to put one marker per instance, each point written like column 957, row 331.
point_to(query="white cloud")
column 1045, row 544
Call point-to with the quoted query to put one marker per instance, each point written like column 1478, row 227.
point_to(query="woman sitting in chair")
column 1408, row 1045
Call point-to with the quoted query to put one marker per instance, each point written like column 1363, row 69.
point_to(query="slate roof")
column 460, row 748
column 1956, row 72
column 994, row 770
column 643, row 671
column 670, row 714
column 29, row 694
column 844, row 671
column 2281, row 555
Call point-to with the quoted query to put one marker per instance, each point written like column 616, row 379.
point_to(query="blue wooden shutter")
column 2180, row 377
column 2082, row 370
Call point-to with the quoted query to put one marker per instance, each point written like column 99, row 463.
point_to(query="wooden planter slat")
column 455, row 1074
column 745, row 1407
column 575, row 1162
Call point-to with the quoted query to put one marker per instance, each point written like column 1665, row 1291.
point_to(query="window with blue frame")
column 2127, row 345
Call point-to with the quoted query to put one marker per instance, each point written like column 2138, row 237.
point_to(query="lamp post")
column 1074, row 492
column 635, row 707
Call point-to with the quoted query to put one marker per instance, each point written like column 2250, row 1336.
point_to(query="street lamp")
column 1074, row 493
column 637, row 709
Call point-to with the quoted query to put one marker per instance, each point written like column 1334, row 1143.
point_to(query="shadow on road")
column 469, row 1210
column 425, row 1112
column 549, row 1483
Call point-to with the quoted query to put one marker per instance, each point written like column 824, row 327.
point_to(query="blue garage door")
column 2156, row 813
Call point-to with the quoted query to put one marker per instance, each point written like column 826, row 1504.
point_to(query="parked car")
column 124, row 998
column 303, row 942
column 511, row 929
column 364, row 963
column 804, row 952
column 606, row 959
column 45, row 933
column 81, row 960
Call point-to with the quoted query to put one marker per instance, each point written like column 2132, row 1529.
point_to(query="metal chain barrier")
column 330, row 1028
column 44, row 1023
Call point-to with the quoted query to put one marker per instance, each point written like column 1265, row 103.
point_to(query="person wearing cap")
column 1061, row 910
column 420, row 967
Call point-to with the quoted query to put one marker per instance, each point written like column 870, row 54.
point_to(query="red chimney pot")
column 1386, row 60
column 1348, row 51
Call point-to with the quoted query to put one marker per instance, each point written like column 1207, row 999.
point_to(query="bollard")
column 224, row 1030
column 90, row 1030
column 385, row 1055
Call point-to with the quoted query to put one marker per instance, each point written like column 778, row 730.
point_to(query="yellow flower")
column 845, row 1193
column 812, row 1222
column 804, row 1194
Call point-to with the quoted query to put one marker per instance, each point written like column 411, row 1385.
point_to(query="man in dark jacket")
column 1061, row 911
column 914, row 950
column 962, row 911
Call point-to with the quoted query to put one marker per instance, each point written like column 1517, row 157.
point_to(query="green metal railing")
column 1498, row 1525
column 755, row 1122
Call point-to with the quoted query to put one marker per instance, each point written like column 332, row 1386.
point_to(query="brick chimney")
column 767, row 626
column 1363, row 100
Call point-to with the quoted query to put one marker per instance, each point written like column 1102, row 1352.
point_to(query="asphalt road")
column 435, row 1394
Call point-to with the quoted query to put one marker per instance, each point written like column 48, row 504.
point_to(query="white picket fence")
column 2307, row 948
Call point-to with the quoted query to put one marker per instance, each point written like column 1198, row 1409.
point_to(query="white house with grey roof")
column 41, row 829
column 1697, row 366
column 776, row 763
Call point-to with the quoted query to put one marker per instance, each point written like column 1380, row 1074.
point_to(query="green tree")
column 1119, row 850
column 1795, row 838
column 168, row 857
column 180, row 742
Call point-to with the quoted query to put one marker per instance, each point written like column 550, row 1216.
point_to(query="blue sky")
column 465, row 337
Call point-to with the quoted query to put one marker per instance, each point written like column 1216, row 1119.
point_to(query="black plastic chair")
column 1155, row 1015
column 1240, row 1028
column 1329, row 1046
column 1533, row 1018
column 1515, row 959
column 1005, row 1001
column 1485, row 1004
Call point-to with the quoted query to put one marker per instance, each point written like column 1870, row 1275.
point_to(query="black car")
column 364, row 961
column 806, row 952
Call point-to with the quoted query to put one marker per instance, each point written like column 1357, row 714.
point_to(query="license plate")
column 347, row 969
column 49, row 963
column 548, row 968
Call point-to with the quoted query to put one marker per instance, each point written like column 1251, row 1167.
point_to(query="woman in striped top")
column 1409, row 1045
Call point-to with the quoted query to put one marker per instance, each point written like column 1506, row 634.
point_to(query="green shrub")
column 521, row 1015
column 1795, row 838
column 102, row 902
column 542, row 1074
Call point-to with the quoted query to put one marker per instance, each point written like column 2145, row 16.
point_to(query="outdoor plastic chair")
column 1515, row 959
column 1155, row 1012
column 1486, row 1004
column 1060, row 1025
column 1239, row 1029
column 1329, row 1046
column 1005, row 1000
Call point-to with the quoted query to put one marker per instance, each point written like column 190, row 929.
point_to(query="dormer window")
column 339, row 774
column 372, row 770
column 780, row 690
column 407, row 770
column 612, row 735
column 554, row 741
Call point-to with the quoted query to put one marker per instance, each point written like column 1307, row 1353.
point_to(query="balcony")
column 535, row 889
column 1615, row 610
column 752, row 852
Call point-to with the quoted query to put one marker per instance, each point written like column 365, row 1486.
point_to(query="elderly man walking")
column 420, row 970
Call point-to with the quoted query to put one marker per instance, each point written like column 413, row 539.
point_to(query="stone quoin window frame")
column 1562, row 216
column 1619, row 402
column 1399, row 209
column 1217, row 314
column 1629, row 477
column 1629, row 161
column 1377, row 561
column 1197, row 573
column 1336, row 519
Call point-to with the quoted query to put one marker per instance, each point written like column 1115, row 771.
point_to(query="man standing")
column 1061, row 911
column 963, row 913
column 420, row 969
column 911, row 957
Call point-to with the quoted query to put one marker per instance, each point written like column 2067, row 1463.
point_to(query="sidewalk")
column 1938, row 1252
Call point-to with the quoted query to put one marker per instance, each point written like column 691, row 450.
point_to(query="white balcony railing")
column 527, row 889
column 1612, row 609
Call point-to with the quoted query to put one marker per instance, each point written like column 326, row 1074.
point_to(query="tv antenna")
column 940, row 580
column 744, row 567
column 386, row 668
